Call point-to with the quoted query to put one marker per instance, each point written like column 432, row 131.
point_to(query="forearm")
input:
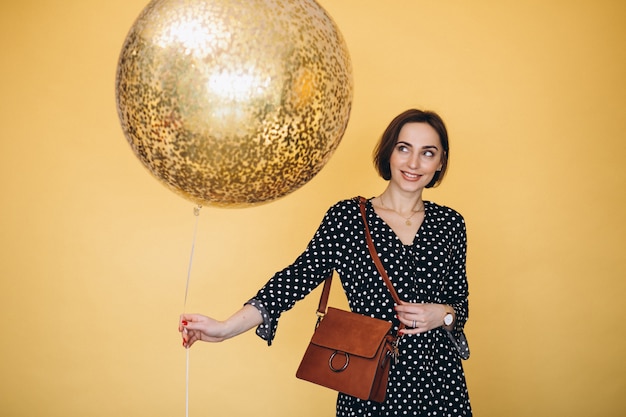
column 242, row 321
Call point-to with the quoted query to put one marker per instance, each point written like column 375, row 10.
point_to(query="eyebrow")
column 401, row 142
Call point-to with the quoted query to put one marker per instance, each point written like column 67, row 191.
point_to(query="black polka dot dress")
column 428, row 380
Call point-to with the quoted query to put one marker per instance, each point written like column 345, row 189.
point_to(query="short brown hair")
column 387, row 142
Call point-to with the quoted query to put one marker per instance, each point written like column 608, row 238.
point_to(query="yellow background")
column 95, row 250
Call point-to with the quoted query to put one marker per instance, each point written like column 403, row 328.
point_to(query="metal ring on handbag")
column 345, row 365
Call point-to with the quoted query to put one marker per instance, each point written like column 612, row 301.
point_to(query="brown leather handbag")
column 350, row 352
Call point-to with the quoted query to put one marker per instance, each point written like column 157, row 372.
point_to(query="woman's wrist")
column 449, row 318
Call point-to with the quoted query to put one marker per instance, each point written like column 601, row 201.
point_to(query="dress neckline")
column 417, row 232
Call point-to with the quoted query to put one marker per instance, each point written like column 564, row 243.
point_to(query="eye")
column 429, row 154
column 402, row 147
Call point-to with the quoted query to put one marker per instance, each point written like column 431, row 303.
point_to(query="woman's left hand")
column 420, row 318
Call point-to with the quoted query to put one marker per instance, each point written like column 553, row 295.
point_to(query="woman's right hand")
column 194, row 327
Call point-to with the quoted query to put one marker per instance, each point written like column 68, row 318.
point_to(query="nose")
column 414, row 161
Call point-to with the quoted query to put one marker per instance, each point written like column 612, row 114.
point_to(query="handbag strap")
column 374, row 254
column 321, row 309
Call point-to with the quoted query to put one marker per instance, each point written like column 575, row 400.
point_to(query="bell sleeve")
column 296, row 281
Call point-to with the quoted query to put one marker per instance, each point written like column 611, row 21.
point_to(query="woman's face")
column 416, row 156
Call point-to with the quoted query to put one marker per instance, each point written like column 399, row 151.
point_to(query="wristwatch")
column 448, row 319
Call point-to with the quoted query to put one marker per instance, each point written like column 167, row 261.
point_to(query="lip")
column 409, row 176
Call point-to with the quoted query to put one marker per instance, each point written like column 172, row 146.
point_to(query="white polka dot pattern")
column 429, row 378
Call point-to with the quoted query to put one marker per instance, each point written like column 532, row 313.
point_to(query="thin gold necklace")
column 407, row 220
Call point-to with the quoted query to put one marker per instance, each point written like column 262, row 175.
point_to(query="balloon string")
column 196, row 212
column 187, row 385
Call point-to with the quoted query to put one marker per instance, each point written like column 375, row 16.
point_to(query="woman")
column 422, row 246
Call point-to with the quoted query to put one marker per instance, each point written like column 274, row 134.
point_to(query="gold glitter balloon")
column 234, row 102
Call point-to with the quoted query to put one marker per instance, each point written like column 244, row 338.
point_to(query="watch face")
column 447, row 320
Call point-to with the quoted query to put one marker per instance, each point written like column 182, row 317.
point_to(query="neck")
column 400, row 202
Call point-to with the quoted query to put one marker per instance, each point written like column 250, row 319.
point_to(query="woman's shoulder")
column 347, row 209
column 443, row 212
column 348, row 204
column 342, row 214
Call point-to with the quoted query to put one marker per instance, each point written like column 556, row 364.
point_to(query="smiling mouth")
column 411, row 176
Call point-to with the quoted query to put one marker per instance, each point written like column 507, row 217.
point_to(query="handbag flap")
column 349, row 332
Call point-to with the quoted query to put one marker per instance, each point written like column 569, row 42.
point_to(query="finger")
column 409, row 309
column 188, row 321
column 182, row 325
column 406, row 320
column 402, row 308
column 183, row 321
column 408, row 330
column 188, row 339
